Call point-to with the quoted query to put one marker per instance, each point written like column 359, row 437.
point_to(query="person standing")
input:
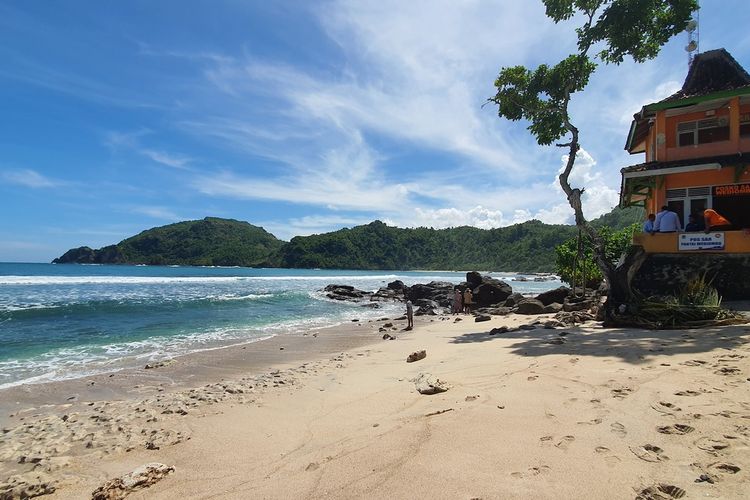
column 409, row 315
column 714, row 221
column 695, row 224
column 648, row 226
column 458, row 305
column 468, row 299
column 667, row 221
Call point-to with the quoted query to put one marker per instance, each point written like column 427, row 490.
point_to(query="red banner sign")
column 732, row 190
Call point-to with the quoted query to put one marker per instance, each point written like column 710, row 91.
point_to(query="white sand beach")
column 574, row 412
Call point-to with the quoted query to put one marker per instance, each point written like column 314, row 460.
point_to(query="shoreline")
column 538, row 412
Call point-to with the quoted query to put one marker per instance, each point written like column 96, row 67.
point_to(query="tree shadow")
column 632, row 345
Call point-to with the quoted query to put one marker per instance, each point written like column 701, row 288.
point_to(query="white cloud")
column 29, row 178
column 133, row 141
column 155, row 212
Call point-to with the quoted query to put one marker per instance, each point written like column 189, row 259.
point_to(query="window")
column 745, row 125
column 687, row 201
column 704, row 131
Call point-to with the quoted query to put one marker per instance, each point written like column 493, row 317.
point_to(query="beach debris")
column 416, row 356
column 661, row 491
column 388, row 336
column 439, row 412
column 159, row 364
column 426, row 383
column 139, row 478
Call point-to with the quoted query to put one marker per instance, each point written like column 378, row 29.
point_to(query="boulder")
column 552, row 308
column 494, row 311
column 416, row 356
column 141, row 477
column 530, row 306
column 473, row 279
column 425, row 383
column 513, row 299
column 439, row 291
column 556, row 295
column 345, row 292
column 397, row 285
column 426, row 307
column 481, row 317
column 491, row 291
column 577, row 305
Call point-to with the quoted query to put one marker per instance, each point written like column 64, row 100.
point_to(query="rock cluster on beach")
column 491, row 297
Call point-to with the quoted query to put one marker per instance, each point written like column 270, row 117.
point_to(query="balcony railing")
column 734, row 242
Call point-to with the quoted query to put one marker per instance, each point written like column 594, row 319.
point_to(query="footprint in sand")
column 693, row 362
column 687, row 393
column 532, row 378
column 565, row 442
column 545, row 439
column 679, row 429
column 532, row 471
column 660, row 491
column 724, row 468
column 727, row 370
column 621, row 393
column 713, row 446
column 595, row 421
column 649, row 453
column 665, row 407
column 618, row 429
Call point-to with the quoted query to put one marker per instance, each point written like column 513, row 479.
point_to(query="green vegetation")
column 521, row 247
column 208, row 242
column 527, row 247
column 584, row 268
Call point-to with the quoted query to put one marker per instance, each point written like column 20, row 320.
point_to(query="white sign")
column 701, row 241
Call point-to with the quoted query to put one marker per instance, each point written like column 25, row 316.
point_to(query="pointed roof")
column 714, row 74
column 712, row 71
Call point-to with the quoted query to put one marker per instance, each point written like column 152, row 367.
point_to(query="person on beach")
column 468, row 299
column 409, row 315
column 458, row 305
column 648, row 226
column 667, row 221
column 714, row 221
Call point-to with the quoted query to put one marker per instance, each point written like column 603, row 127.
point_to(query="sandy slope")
column 604, row 414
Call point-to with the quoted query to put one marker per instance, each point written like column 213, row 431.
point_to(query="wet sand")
column 569, row 412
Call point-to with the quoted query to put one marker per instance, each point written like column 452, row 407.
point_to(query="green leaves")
column 614, row 28
column 541, row 96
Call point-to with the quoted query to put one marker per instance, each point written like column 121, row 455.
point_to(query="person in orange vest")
column 715, row 222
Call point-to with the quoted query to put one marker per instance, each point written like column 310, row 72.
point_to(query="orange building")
column 697, row 153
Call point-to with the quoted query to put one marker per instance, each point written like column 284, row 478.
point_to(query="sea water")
column 67, row 321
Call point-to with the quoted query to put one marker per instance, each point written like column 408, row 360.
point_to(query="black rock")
column 557, row 295
column 481, row 317
column 530, row 306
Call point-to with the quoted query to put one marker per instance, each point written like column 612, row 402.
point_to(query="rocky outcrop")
column 487, row 291
column 557, row 295
column 87, row 255
column 438, row 291
column 530, row 306
column 513, row 299
column 141, row 477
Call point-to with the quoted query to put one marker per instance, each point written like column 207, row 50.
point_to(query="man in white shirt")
column 667, row 221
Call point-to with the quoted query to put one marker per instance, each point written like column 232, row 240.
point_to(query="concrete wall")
column 663, row 274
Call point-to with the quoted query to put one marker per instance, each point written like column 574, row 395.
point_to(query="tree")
column 612, row 30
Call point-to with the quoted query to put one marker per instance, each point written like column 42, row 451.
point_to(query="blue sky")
column 299, row 116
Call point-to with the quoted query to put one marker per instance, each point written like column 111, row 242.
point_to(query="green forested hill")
column 224, row 242
column 528, row 246
column 208, row 242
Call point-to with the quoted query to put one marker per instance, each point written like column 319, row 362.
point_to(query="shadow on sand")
column 629, row 344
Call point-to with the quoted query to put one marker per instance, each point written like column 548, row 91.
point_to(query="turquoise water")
column 67, row 321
